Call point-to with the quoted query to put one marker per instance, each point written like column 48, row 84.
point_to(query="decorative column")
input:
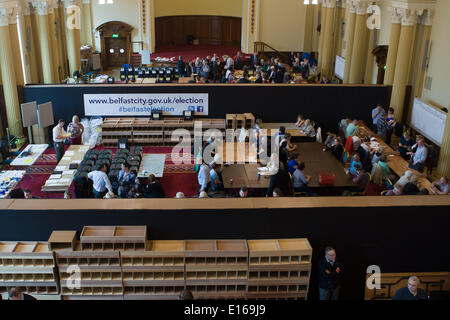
column 53, row 39
column 309, row 28
column 403, row 64
column 372, row 39
column 62, row 39
column 28, row 44
column 328, row 43
column 323, row 22
column 86, row 24
column 350, row 31
column 393, row 47
column 341, row 18
column 15, row 44
column 73, row 25
column 443, row 168
column 48, row 65
column 36, row 43
column 7, row 14
column 427, row 21
column 359, row 43
column 250, row 24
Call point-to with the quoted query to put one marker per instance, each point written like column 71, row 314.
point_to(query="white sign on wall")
column 428, row 120
column 143, row 104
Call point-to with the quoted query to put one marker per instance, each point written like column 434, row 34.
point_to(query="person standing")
column 181, row 66
column 100, row 182
column 411, row 292
column 377, row 113
column 128, row 182
column 383, row 127
column 330, row 275
column 58, row 138
column 75, row 129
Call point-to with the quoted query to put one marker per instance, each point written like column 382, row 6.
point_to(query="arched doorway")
column 115, row 37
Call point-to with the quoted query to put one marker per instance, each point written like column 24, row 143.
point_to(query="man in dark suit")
column 412, row 291
column 330, row 273
column 254, row 60
column 181, row 66
column 17, row 294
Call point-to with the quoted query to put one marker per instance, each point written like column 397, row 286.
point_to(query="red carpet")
column 192, row 52
column 176, row 177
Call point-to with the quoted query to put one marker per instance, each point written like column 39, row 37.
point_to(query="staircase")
column 262, row 47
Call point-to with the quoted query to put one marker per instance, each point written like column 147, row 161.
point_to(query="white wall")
column 122, row 10
column 439, row 64
column 283, row 24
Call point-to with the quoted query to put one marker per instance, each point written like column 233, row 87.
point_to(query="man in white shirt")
column 101, row 182
column 58, row 138
column 204, row 178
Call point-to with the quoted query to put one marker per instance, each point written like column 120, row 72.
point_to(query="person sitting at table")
column 411, row 188
column 300, row 179
column 76, row 129
column 358, row 176
column 378, row 182
column 17, row 194
column 336, row 148
column 292, row 163
column 405, row 178
column 229, row 75
column 355, row 160
column 308, row 129
column 300, row 121
column 406, row 142
column 258, row 77
column 419, row 156
column 351, row 128
column 128, row 182
column 277, row 192
column 345, row 122
column 377, row 155
column 397, row 191
column 383, row 163
column 216, row 180
column 289, row 147
column 153, row 188
column 28, row 195
column 440, row 187
column 101, row 182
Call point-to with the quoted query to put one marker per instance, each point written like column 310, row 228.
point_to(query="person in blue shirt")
column 128, row 182
column 292, row 163
column 354, row 160
column 301, row 180
column 377, row 113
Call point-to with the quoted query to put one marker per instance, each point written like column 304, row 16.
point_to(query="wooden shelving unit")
column 100, row 274
column 249, row 120
column 217, row 269
column 156, row 274
column 28, row 265
column 279, row 269
column 147, row 132
column 230, row 121
column 101, row 238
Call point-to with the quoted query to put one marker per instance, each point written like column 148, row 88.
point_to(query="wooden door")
column 116, row 51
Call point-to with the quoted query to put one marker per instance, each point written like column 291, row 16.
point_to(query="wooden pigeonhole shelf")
column 28, row 265
column 279, row 268
column 113, row 238
column 155, row 274
column 230, row 119
column 240, row 121
column 249, row 120
column 100, row 274
column 217, row 268
column 114, row 129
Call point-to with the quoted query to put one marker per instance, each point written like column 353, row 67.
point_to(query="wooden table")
column 237, row 152
column 273, row 128
column 9, row 180
column 36, row 150
column 396, row 163
column 74, row 154
column 316, row 162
